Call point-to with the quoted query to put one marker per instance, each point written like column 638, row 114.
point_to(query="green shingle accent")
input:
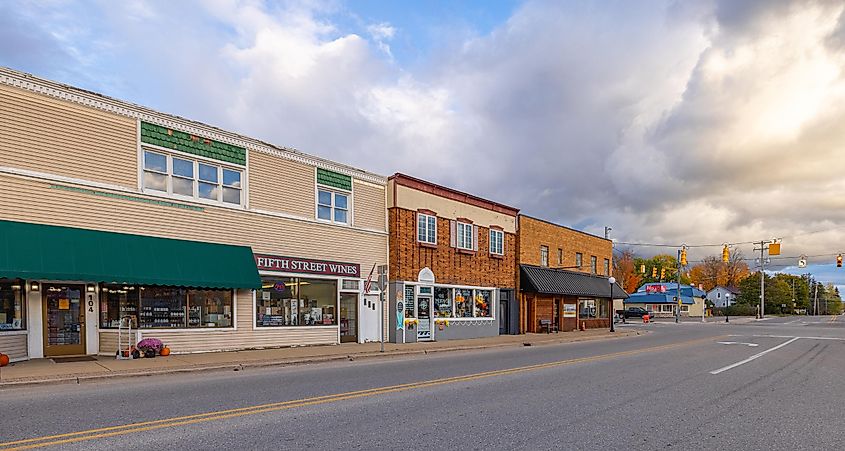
column 196, row 145
column 333, row 179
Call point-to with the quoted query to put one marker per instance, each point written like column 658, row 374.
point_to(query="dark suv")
column 633, row 312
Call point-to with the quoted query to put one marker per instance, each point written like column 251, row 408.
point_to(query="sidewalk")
column 40, row 371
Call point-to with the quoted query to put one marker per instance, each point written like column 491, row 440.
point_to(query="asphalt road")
column 772, row 384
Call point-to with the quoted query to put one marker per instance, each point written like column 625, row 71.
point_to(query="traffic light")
column 839, row 261
column 726, row 254
column 683, row 256
column 662, row 273
column 774, row 249
column 654, row 272
column 642, row 269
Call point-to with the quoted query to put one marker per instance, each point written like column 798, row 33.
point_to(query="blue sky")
column 681, row 122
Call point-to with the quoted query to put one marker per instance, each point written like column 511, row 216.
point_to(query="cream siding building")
column 77, row 160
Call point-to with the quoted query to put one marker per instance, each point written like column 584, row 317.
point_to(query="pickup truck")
column 633, row 312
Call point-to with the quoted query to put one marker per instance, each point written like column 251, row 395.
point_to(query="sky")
column 673, row 122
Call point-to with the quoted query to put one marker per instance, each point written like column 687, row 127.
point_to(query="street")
column 770, row 384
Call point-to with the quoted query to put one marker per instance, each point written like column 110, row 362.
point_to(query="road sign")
column 802, row 261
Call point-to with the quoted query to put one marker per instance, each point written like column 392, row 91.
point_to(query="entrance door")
column 424, row 317
column 64, row 320
column 503, row 316
column 348, row 318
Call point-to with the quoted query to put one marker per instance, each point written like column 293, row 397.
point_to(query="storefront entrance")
column 424, row 317
column 348, row 318
column 64, row 320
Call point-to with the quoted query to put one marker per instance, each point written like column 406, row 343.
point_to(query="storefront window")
column 602, row 307
column 154, row 307
column 442, row 302
column 11, row 306
column 587, row 308
column 463, row 303
column 409, row 301
column 482, row 304
column 296, row 302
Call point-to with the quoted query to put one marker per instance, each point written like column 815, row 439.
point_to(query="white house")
column 722, row 296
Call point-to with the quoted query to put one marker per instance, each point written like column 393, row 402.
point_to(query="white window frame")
column 461, row 238
column 334, row 192
column 544, row 256
column 425, row 218
column 501, row 242
column 579, row 259
column 196, row 161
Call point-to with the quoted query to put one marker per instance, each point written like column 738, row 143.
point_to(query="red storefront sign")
column 655, row 289
column 306, row 266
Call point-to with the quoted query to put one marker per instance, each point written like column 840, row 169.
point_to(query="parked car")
column 633, row 312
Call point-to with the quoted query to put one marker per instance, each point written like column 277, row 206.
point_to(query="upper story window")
column 333, row 196
column 606, row 267
column 544, row 255
column 593, row 264
column 426, row 228
column 497, row 242
column 560, row 256
column 183, row 176
column 465, row 236
column 579, row 259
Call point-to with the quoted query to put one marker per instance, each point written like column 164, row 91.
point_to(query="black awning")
column 558, row 281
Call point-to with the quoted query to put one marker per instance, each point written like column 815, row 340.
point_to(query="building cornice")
column 29, row 82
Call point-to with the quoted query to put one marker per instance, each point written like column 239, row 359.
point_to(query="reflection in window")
column 296, row 302
column 482, row 304
column 463, row 303
column 11, row 306
column 156, row 307
column 442, row 302
column 192, row 178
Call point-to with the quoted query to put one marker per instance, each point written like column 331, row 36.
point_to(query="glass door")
column 424, row 317
column 64, row 320
column 348, row 318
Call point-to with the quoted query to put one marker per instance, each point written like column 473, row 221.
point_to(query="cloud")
column 677, row 122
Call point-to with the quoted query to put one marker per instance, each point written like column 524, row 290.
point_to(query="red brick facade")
column 449, row 264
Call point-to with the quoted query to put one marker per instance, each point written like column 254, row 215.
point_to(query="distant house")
column 661, row 299
column 722, row 296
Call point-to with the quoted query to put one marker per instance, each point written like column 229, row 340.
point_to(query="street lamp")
column 612, row 281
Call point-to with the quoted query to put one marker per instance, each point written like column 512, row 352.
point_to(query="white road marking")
column 752, row 345
column 790, row 336
column 753, row 357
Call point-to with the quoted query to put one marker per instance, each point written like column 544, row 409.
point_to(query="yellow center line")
column 131, row 428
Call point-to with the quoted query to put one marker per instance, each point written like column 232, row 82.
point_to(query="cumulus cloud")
column 716, row 121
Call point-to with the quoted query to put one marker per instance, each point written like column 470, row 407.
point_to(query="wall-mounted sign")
column 306, row 266
column 569, row 311
column 655, row 289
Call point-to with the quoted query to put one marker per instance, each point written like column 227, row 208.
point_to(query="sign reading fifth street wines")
column 306, row 266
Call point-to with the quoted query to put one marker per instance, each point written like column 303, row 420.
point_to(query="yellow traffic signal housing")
column 654, row 272
column 662, row 273
column 839, row 261
column 683, row 257
column 642, row 269
column 726, row 254
column 774, row 249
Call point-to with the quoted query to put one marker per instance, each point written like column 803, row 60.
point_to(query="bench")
column 548, row 325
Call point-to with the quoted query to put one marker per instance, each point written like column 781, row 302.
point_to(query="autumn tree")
column 625, row 271
column 661, row 261
column 712, row 271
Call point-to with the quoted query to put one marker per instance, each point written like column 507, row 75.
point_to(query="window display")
column 295, row 301
column 442, row 302
column 11, row 306
column 587, row 308
column 482, row 304
column 463, row 303
column 155, row 307
column 410, row 302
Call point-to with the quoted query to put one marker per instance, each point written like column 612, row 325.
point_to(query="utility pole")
column 678, row 305
column 762, row 310
column 815, row 299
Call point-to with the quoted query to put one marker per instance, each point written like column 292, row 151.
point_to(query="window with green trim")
column 184, row 177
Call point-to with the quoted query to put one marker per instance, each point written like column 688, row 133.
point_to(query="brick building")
column 452, row 259
column 563, row 277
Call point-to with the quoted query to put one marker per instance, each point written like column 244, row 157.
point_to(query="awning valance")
column 559, row 281
column 42, row 252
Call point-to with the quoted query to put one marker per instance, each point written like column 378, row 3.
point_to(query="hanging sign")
column 306, row 266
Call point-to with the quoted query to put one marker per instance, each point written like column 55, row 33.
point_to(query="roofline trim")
column 451, row 193
column 32, row 83
column 565, row 227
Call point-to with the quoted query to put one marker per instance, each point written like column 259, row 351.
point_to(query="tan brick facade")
column 450, row 265
column 534, row 233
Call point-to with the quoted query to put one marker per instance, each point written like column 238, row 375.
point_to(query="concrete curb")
column 239, row 366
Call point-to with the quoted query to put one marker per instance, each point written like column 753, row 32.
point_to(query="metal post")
column 762, row 280
column 678, row 305
column 381, row 320
column 611, row 304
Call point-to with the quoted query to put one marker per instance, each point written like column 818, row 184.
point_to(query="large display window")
column 11, row 306
column 295, row 301
column 592, row 308
column 155, row 307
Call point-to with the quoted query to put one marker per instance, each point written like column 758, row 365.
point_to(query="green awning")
column 41, row 252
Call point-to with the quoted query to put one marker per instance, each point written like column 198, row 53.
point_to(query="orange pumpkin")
column 165, row 351
column 4, row 360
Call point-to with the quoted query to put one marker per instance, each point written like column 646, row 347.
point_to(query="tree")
column 778, row 292
column 736, row 269
column 626, row 271
column 712, row 271
column 829, row 301
column 661, row 261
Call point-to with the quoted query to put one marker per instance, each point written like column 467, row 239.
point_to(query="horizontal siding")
column 264, row 233
column 280, row 185
column 41, row 133
column 369, row 206
column 108, row 341
column 13, row 346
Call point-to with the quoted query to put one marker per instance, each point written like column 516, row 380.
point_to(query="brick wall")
column 408, row 257
column 534, row 233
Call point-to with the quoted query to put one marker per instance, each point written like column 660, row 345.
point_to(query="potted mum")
column 150, row 346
